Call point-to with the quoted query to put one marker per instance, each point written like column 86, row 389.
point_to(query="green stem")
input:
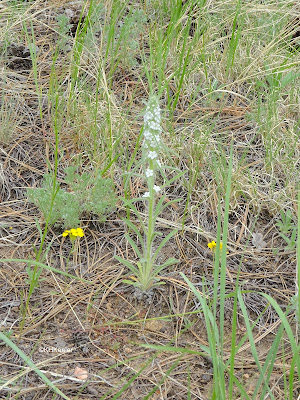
column 71, row 252
column 151, row 225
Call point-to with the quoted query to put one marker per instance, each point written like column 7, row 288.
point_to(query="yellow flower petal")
column 80, row 232
column 74, row 232
column 66, row 233
column 212, row 245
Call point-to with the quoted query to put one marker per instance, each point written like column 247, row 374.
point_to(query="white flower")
column 156, row 188
column 147, row 134
column 154, row 125
column 152, row 122
column 146, row 194
column 152, row 155
column 149, row 172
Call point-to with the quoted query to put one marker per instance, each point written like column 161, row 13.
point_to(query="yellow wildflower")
column 73, row 233
column 213, row 244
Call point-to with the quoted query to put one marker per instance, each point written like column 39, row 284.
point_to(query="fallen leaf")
column 258, row 241
column 81, row 373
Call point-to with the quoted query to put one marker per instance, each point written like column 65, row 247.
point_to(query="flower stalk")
column 146, row 272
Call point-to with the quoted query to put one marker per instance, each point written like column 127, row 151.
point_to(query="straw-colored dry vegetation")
column 75, row 77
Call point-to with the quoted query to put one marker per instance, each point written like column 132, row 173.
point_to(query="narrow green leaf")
column 133, row 245
column 127, row 264
column 287, row 328
column 131, row 380
column 213, row 339
column 159, row 210
column 135, row 229
column 28, row 361
column 170, row 261
column 291, row 378
column 165, row 375
column 252, row 343
column 131, row 282
column 163, row 242
column 172, row 349
column 39, row 264
column 269, row 364
column 135, row 211
column 288, row 78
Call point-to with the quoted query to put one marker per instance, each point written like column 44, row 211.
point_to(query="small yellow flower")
column 212, row 245
column 73, row 233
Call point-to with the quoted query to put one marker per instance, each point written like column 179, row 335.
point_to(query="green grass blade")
column 269, row 364
column 28, row 361
column 39, row 264
column 233, row 338
column 173, row 366
column 120, row 392
column 252, row 343
column 298, row 267
column 287, row 327
column 214, row 343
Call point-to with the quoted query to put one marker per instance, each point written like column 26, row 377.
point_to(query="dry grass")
column 101, row 319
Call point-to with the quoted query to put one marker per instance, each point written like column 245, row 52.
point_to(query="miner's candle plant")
column 146, row 272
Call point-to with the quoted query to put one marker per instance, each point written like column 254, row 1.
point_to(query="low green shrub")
column 88, row 192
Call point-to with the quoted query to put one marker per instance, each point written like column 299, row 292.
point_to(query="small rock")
column 156, row 325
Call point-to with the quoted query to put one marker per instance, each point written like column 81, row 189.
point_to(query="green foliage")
column 89, row 192
column 288, row 230
column 128, row 37
column 291, row 241
column 64, row 27
column 9, row 116
column 286, row 223
column 121, row 35
column 8, row 334
column 295, row 306
column 95, row 25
